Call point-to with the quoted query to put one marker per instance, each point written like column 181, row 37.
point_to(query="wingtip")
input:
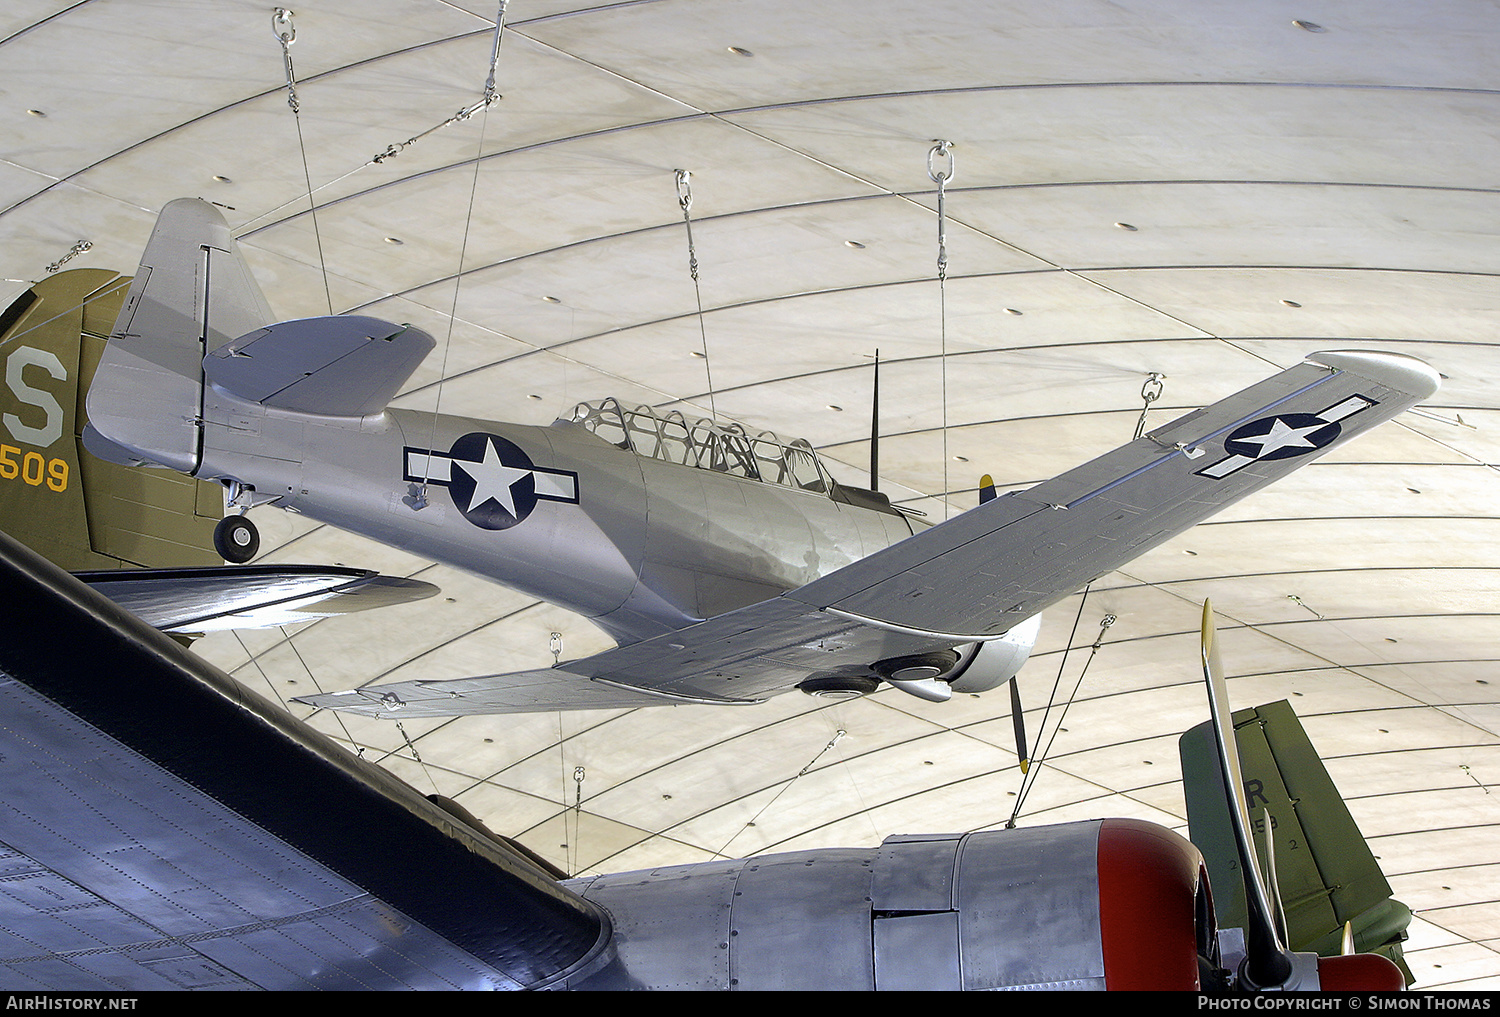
column 192, row 213
column 1396, row 370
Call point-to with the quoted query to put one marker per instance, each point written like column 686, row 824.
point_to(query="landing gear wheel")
column 916, row 667
column 236, row 539
column 840, row 687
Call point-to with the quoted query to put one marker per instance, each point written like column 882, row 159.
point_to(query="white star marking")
column 1281, row 436
column 492, row 480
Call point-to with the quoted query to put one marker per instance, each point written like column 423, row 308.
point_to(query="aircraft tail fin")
column 1326, row 871
column 193, row 293
column 77, row 511
column 986, row 489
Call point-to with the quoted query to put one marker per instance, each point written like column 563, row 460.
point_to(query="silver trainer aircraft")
column 728, row 565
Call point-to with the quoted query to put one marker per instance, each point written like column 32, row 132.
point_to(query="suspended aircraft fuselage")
column 640, row 544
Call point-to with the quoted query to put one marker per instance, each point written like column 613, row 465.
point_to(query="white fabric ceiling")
column 1299, row 176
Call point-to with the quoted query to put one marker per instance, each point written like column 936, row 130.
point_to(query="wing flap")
column 735, row 659
column 535, row 691
column 340, row 365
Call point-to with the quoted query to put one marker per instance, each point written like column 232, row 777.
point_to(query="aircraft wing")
column 162, row 828
column 213, row 598
column 973, row 577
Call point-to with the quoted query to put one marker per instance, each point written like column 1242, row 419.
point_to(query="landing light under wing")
column 973, row 577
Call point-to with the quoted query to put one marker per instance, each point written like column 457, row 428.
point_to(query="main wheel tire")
column 840, row 686
column 236, row 539
column 916, row 667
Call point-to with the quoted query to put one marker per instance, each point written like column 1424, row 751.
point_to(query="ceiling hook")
column 941, row 150
column 282, row 27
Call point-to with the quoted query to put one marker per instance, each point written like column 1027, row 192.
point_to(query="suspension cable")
column 685, row 199
column 579, row 775
column 287, row 638
column 420, row 497
column 418, row 757
column 943, row 150
column 1028, row 781
column 78, row 248
column 286, row 34
column 838, row 736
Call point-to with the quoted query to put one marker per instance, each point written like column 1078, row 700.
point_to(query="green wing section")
column 1325, row 872
column 79, row 511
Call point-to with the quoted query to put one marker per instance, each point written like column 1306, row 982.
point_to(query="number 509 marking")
column 32, row 468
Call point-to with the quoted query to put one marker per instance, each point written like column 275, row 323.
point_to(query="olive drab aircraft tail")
column 1329, row 880
column 144, row 538
column 727, row 563
column 79, row 512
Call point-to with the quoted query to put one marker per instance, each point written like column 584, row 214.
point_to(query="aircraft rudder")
column 193, row 292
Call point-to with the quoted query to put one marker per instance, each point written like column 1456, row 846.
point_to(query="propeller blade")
column 1267, row 962
column 1273, row 886
column 986, row 489
column 1018, row 721
column 1346, row 947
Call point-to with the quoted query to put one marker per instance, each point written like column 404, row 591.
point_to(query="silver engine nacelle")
column 987, row 665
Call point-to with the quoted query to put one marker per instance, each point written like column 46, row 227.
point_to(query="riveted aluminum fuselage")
column 640, row 545
column 998, row 909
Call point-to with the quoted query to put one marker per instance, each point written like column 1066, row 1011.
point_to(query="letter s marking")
column 45, row 435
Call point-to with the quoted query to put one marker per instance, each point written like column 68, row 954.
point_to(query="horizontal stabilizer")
column 339, row 365
column 212, row 599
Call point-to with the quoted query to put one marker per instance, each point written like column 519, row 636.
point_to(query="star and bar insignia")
column 1283, row 436
column 492, row 481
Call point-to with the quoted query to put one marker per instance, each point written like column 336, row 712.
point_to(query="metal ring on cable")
column 684, row 188
column 280, row 17
column 943, row 149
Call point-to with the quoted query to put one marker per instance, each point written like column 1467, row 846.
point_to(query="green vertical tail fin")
column 78, row 511
column 1326, row 871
